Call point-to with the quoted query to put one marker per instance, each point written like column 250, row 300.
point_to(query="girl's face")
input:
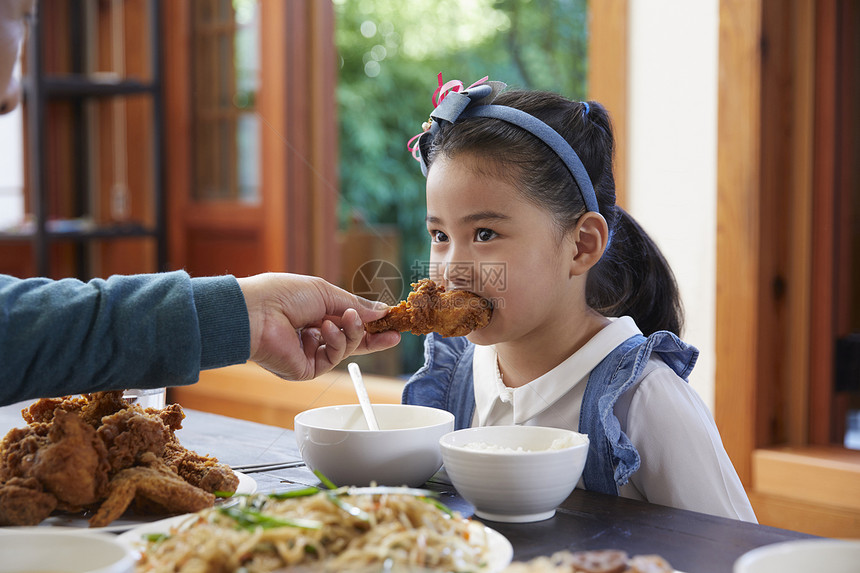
column 486, row 238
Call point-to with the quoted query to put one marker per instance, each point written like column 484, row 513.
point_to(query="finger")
column 311, row 341
column 353, row 329
column 376, row 342
column 334, row 340
column 333, row 347
column 341, row 342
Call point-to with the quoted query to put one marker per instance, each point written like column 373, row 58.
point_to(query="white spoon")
column 363, row 398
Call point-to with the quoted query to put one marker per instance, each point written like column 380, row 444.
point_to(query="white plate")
column 802, row 556
column 127, row 521
column 500, row 550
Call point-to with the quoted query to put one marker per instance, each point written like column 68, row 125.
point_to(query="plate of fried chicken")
column 96, row 461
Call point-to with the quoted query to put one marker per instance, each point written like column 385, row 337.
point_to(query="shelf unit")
column 76, row 89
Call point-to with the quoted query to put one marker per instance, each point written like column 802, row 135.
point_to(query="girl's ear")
column 590, row 238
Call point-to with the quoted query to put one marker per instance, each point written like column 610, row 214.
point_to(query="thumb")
column 371, row 305
column 337, row 300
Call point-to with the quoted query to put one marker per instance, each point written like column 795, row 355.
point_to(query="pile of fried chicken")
column 99, row 455
column 431, row 308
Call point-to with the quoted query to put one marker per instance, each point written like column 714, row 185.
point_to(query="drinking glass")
column 146, row 397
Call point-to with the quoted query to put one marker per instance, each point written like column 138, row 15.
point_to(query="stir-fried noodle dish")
column 393, row 529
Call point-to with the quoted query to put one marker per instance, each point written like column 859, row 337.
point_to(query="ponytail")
column 634, row 279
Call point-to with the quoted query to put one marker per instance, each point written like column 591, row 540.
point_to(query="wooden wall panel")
column 799, row 235
column 17, row 260
column 325, row 256
column 297, row 151
column 177, row 144
column 123, row 142
column 272, row 108
column 823, row 262
column 234, row 252
column 786, row 236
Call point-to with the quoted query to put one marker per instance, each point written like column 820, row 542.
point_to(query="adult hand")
column 302, row 326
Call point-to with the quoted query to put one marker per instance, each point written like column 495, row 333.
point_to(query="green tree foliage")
column 390, row 54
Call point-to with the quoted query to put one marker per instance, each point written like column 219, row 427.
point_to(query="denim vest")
column 445, row 381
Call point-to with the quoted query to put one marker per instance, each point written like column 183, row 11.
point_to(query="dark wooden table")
column 692, row 542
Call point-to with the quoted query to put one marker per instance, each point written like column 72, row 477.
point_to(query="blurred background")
column 244, row 136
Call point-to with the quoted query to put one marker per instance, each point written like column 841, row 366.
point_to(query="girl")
column 521, row 209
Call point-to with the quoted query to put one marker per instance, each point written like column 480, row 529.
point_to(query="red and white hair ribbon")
column 443, row 90
column 451, row 86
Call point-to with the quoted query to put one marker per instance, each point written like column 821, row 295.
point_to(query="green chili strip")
column 295, row 493
column 249, row 518
column 439, row 505
column 325, row 481
column 396, row 490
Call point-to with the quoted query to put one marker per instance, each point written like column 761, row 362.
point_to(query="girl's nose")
column 459, row 274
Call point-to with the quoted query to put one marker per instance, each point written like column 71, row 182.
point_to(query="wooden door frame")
column 738, row 239
column 294, row 224
column 769, row 260
column 775, row 261
column 608, row 40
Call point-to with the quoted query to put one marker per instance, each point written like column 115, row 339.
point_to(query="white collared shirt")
column 683, row 462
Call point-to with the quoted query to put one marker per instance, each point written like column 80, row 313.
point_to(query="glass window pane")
column 225, row 83
column 248, row 138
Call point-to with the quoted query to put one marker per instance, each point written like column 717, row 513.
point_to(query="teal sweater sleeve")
column 140, row 331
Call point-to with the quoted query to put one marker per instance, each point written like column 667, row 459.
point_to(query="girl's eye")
column 482, row 235
column 438, row 236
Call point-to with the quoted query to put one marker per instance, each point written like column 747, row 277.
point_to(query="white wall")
column 672, row 122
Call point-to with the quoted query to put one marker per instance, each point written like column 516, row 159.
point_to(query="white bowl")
column 802, row 556
column 336, row 441
column 514, row 473
column 38, row 550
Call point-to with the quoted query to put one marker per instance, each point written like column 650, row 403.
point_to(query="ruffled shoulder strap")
column 612, row 458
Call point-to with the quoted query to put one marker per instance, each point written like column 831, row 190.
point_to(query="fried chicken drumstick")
column 431, row 308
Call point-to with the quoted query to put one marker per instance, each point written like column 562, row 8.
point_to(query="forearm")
column 65, row 337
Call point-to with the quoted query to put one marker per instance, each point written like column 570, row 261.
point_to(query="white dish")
column 75, row 521
column 802, row 556
column 336, row 441
column 501, row 552
column 59, row 550
column 514, row 474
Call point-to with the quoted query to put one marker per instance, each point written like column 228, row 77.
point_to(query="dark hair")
column 632, row 278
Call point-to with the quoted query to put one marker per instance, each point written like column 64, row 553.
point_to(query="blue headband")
column 475, row 102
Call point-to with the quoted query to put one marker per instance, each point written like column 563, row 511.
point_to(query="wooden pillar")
column 607, row 75
column 738, row 179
